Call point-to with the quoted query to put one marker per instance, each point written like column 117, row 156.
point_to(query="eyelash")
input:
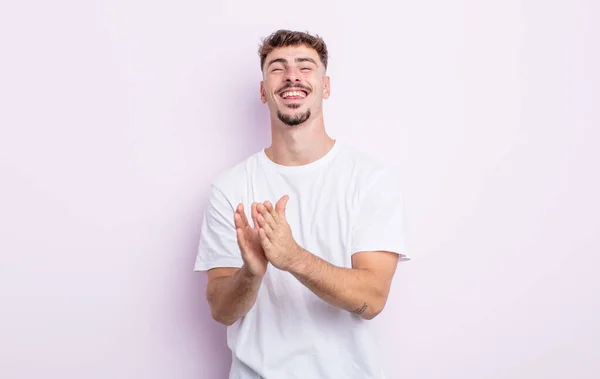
column 302, row 69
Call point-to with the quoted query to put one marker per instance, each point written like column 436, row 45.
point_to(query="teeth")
column 293, row 93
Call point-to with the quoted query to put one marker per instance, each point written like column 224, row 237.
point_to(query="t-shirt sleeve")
column 218, row 242
column 380, row 225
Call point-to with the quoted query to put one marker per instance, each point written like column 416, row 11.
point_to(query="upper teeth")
column 293, row 93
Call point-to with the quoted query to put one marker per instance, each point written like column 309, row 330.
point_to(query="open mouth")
column 295, row 94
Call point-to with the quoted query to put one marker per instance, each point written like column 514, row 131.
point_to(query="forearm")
column 231, row 297
column 355, row 290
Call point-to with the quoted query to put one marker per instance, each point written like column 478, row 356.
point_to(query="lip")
column 294, row 89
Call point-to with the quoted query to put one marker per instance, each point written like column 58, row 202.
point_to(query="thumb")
column 281, row 204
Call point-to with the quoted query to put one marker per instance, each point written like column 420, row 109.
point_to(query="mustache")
column 292, row 85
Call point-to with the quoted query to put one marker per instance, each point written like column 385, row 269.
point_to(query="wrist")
column 247, row 274
column 299, row 258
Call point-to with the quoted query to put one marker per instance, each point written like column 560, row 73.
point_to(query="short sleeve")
column 218, row 242
column 379, row 225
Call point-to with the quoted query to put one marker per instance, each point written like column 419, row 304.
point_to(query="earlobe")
column 263, row 93
column 327, row 88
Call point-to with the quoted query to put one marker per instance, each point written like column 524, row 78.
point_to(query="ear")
column 326, row 88
column 263, row 92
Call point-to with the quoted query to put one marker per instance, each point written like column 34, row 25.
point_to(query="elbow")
column 222, row 320
column 217, row 313
column 375, row 308
column 372, row 313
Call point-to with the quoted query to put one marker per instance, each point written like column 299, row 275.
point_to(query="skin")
column 362, row 289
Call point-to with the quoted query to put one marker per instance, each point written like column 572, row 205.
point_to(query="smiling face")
column 294, row 84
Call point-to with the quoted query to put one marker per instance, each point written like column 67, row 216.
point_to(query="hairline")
column 297, row 60
column 319, row 63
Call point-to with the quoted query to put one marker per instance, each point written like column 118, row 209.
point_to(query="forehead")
column 290, row 53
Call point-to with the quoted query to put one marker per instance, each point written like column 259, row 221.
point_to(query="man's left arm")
column 362, row 289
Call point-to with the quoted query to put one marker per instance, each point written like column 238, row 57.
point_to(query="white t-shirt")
column 343, row 203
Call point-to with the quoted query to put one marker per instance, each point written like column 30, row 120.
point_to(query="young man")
column 301, row 240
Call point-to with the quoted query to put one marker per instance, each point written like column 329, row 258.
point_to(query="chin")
column 294, row 118
column 292, row 107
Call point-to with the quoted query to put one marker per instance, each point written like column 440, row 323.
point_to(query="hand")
column 276, row 235
column 248, row 240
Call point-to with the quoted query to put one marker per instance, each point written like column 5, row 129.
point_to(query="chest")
column 321, row 210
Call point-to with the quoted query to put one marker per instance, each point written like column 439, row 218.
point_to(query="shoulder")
column 233, row 179
column 366, row 168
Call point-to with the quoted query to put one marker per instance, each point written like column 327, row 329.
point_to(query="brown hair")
column 284, row 38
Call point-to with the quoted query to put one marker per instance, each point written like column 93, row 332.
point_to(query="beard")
column 296, row 119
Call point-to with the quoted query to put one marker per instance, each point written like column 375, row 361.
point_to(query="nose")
column 291, row 75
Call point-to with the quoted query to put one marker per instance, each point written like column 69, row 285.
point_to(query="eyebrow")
column 298, row 60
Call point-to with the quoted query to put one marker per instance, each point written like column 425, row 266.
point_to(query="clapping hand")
column 249, row 242
column 275, row 235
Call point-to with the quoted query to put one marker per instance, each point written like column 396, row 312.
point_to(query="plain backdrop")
column 116, row 115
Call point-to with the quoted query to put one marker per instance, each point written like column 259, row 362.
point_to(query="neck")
column 298, row 145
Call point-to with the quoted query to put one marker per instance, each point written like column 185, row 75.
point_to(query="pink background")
column 116, row 115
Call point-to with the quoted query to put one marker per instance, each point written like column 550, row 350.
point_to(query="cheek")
column 271, row 89
column 269, row 93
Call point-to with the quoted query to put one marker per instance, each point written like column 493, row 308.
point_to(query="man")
column 301, row 240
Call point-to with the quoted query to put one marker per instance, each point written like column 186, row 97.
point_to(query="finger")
column 266, row 215
column 271, row 209
column 264, row 241
column 241, row 240
column 237, row 219
column 264, row 224
column 260, row 207
column 281, row 205
column 254, row 215
column 243, row 214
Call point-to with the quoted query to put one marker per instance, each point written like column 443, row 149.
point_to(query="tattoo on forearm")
column 360, row 310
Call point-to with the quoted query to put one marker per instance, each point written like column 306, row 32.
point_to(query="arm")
column 231, row 293
column 362, row 289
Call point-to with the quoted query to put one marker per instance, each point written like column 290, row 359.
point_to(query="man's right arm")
column 231, row 293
